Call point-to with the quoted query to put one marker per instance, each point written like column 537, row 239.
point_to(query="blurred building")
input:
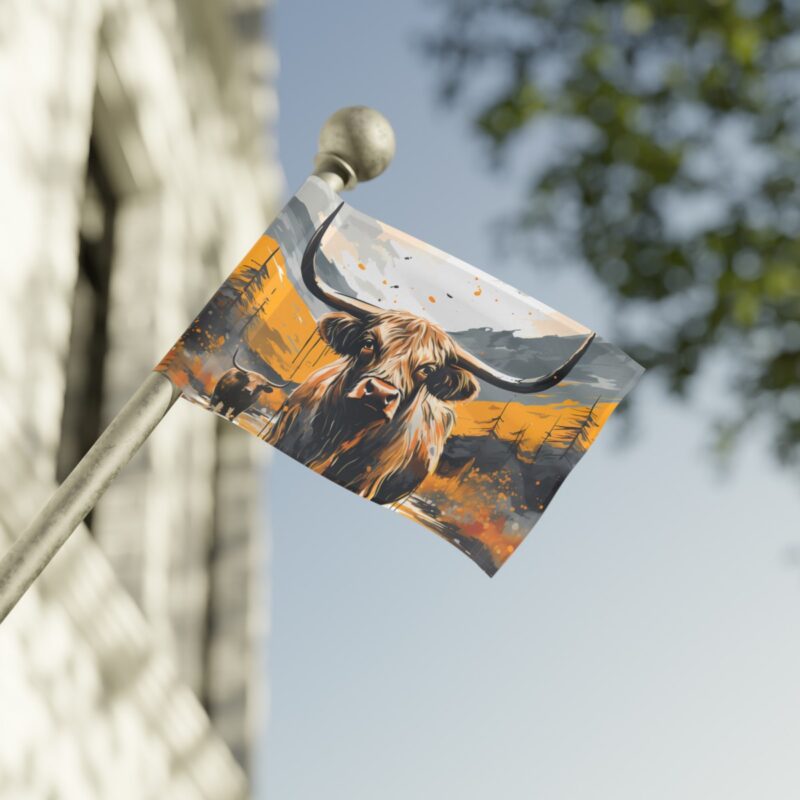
column 136, row 168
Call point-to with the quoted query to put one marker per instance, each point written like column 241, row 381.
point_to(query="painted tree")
column 231, row 303
column 248, row 281
column 662, row 150
column 575, row 431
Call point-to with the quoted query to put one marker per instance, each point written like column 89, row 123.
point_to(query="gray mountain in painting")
column 604, row 371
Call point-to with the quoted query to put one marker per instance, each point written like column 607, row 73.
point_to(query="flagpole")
column 356, row 144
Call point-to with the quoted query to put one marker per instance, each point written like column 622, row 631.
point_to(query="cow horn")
column 523, row 385
column 318, row 287
column 465, row 359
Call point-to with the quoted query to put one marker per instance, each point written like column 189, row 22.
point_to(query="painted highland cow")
column 376, row 420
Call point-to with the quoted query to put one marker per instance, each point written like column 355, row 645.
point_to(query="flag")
column 401, row 373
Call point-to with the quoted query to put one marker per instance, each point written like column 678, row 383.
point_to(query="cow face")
column 395, row 357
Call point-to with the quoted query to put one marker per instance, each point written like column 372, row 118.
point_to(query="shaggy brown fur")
column 376, row 420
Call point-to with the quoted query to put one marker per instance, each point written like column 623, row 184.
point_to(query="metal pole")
column 356, row 144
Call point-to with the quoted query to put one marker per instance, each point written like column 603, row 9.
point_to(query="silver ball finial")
column 357, row 143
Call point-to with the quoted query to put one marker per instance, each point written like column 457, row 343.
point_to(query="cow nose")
column 383, row 392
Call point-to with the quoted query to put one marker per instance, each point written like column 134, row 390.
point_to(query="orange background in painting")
column 476, row 418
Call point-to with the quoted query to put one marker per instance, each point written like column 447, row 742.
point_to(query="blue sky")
column 644, row 640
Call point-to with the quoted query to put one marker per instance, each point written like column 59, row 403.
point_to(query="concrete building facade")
column 136, row 167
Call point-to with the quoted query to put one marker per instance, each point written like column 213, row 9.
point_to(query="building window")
column 82, row 414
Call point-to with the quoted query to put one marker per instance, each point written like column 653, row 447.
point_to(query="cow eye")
column 425, row 371
column 367, row 347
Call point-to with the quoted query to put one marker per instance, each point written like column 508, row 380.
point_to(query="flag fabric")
column 401, row 373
